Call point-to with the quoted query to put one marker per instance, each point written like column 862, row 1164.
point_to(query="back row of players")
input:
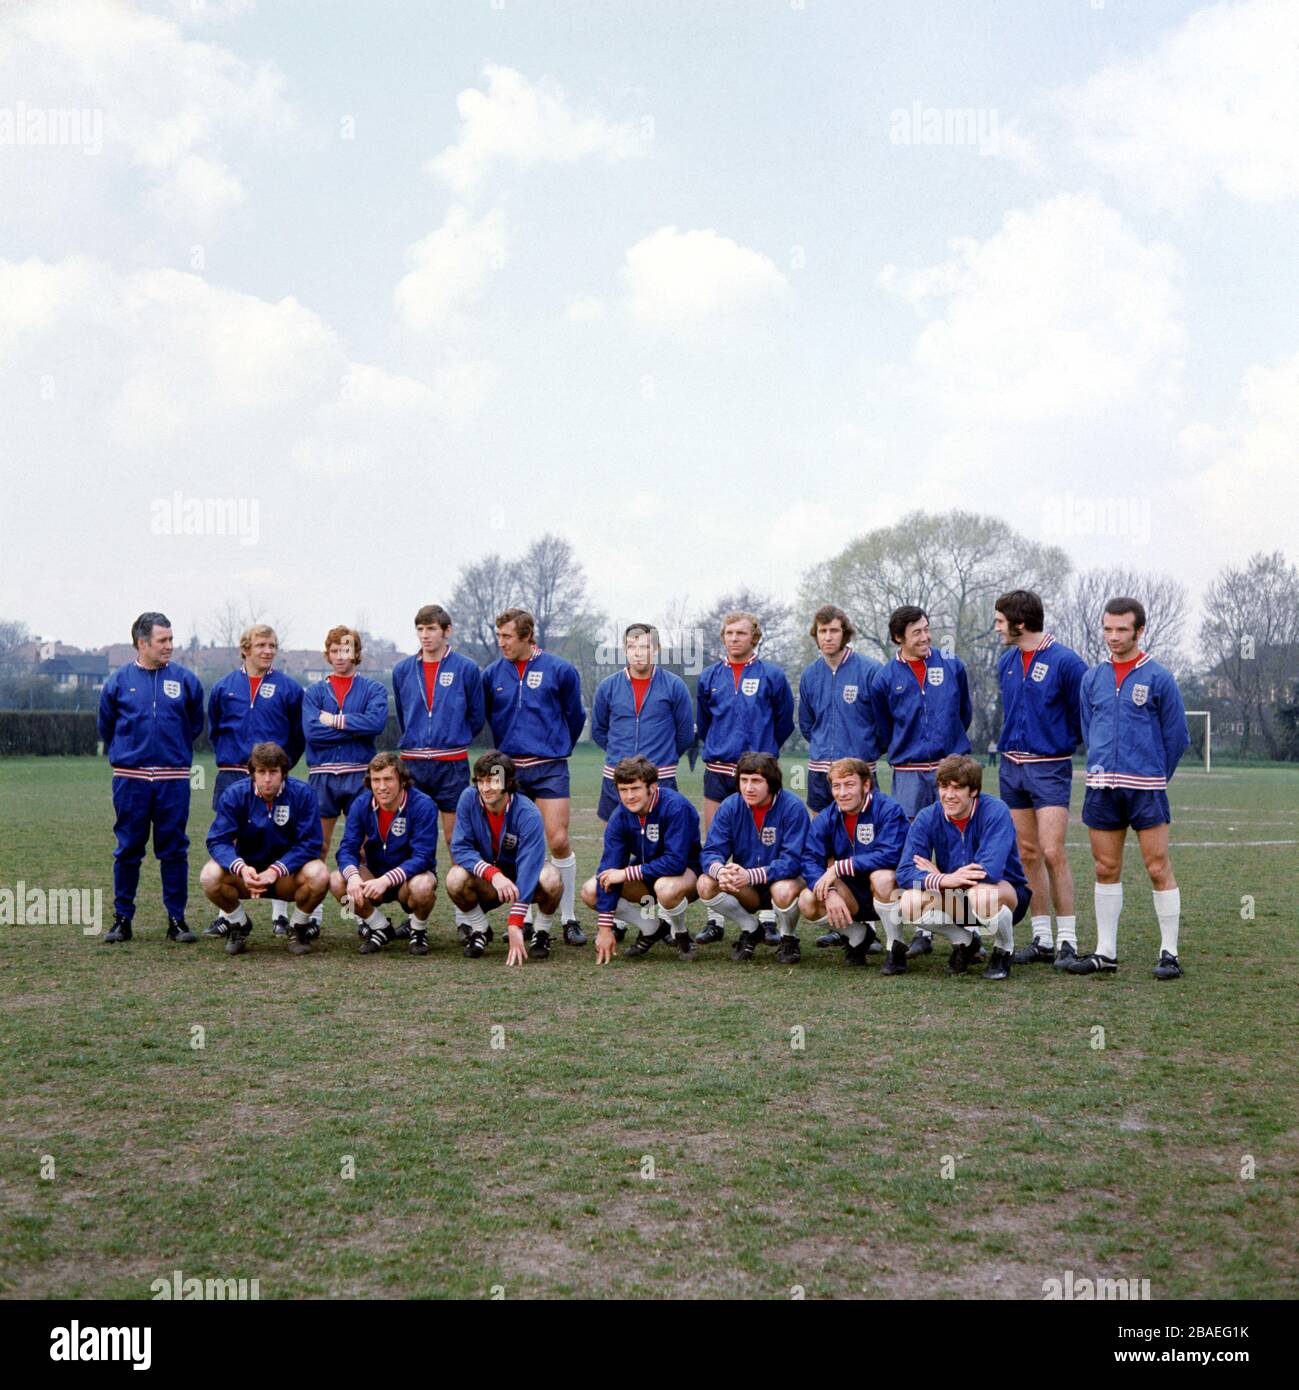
column 936, row 854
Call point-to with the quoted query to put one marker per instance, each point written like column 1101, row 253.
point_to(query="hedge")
column 47, row 732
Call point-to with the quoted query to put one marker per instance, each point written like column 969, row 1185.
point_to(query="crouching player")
column 389, row 854
column 852, row 850
column 753, row 858
column 960, row 864
column 265, row 842
column 498, row 855
column 651, row 856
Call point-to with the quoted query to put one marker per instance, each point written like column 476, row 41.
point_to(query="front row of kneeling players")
column 856, row 864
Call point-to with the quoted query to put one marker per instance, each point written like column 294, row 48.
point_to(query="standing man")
column 649, row 871
column 342, row 716
column 1134, row 723
column 438, row 694
column 389, row 854
column 255, row 704
column 835, row 714
column 641, row 711
column 753, row 857
column 742, row 704
column 849, row 864
column 265, row 842
column 923, row 712
column 150, row 713
column 1041, row 727
column 534, row 707
column 499, row 857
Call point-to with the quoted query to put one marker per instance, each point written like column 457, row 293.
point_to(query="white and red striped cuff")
column 843, row 867
column 396, row 876
column 715, row 868
column 236, row 866
column 934, row 882
column 635, row 873
column 605, row 921
column 758, row 875
column 280, row 869
column 483, row 869
column 350, row 871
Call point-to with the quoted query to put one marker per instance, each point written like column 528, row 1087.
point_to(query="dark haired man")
column 150, row 713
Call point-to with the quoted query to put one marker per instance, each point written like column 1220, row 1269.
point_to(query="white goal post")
column 1207, row 716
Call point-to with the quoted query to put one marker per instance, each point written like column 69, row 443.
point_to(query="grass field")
column 774, row 1169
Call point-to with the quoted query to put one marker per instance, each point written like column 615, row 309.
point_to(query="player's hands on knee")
column 518, row 951
column 507, row 890
column 837, row 912
column 606, row 945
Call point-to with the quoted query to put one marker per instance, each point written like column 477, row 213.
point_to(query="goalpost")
column 1207, row 716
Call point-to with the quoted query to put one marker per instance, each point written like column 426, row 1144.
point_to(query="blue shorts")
column 610, row 800
column 336, row 791
column 861, row 889
column 224, row 780
column 1028, row 786
column 966, row 918
column 441, row 778
column 546, row 781
column 913, row 791
column 719, row 785
column 1117, row 808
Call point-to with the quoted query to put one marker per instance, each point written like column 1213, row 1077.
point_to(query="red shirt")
column 340, row 685
column 497, row 823
column 385, row 820
column 1121, row 669
column 918, row 670
column 760, row 813
column 254, row 682
column 639, row 686
column 1027, row 657
column 961, row 824
column 736, row 668
column 430, row 679
column 521, row 666
column 850, row 824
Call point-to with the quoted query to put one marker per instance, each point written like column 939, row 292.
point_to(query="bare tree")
column 552, row 585
column 483, row 589
column 1077, row 622
column 1249, row 637
column 228, row 623
column 13, row 634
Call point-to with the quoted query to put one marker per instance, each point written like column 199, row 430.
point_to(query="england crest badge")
column 652, row 834
column 171, row 688
column 850, row 694
column 534, row 679
column 936, row 674
column 749, row 685
column 280, row 815
column 768, row 835
column 865, row 833
column 1039, row 670
column 398, row 826
column 1140, row 694
column 446, row 677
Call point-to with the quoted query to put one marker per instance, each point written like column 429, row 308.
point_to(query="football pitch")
column 339, row 1125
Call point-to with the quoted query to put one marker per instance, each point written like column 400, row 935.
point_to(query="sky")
column 307, row 304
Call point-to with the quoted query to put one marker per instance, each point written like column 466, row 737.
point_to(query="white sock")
column 1002, row 923
column 543, row 921
column 280, row 912
column 1042, row 929
column 856, row 934
column 788, row 919
column 418, row 923
column 1066, row 929
column 728, row 905
column 300, row 918
column 370, row 918
column 238, row 917
column 318, row 914
column 462, row 917
column 767, row 917
column 890, row 914
column 1109, row 903
column 568, row 880
column 1168, row 909
column 630, row 913
column 959, row 936
column 475, row 919
column 675, row 917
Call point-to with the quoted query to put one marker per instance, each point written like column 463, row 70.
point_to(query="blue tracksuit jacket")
column 757, row 716
column 285, row 834
column 349, row 749
column 1136, row 734
column 662, row 842
column 411, row 845
column 922, row 725
column 235, row 722
column 661, row 732
column 1040, row 713
column 769, row 854
column 877, row 844
column 148, row 721
column 522, row 851
column 835, row 712
column 988, row 840
column 537, row 717
column 446, row 728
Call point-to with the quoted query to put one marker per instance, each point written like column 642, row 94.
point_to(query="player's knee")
column 423, row 894
column 785, row 893
column 316, row 877
column 458, row 886
column 707, row 888
column 913, row 905
column 549, row 881
column 884, row 884
column 338, row 885
column 559, row 846
column 211, row 876
column 1030, row 854
column 588, row 892
column 982, row 900
column 807, row 904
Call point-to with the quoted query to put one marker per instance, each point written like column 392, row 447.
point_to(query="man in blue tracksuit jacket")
column 534, row 708
column 498, row 855
column 835, row 712
column 1134, row 723
column 438, row 696
column 265, row 842
column 649, row 871
column 641, row 711
column 850, row 858
column 753, row 856
column 150, row 713
column 960, row 862
column 1039, row 680
column 389, row 854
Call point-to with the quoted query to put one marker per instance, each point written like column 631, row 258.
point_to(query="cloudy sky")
column 709, row 287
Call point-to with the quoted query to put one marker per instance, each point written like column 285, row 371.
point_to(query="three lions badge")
column 1140, row 694
column 865, row 833
column 171, row 688
column 534, row 679
column 280, row 815
column 936, row 674
column 749, row 685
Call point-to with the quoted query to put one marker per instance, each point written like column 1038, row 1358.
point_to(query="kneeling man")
column 960, row 864
column 852, row 851
column 753, row 858
column 265, row 842
column 651, row 857
column 498, row 855
column 389, row 854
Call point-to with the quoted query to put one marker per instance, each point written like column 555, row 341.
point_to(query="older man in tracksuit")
column 150, row 713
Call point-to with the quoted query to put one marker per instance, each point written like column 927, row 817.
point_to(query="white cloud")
column 164, row 107
column 519, row 122
column 1215, row 104
column 1062, row 311
column 449, row 268
column 586, row 308
column 682, row 280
